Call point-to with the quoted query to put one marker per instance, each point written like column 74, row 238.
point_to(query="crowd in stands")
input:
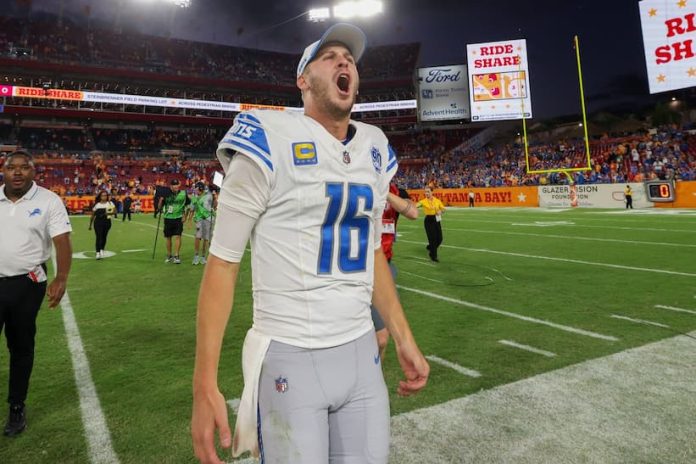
column 44, row 38
column 665, row 153
column 87, row 174
column 427, row 158
column 138, row 139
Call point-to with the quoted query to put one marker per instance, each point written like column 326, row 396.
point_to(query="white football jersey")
column 313, row 248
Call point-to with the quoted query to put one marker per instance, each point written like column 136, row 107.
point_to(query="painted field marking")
column 421, row 277
column 462, row 370
column 566, row 260
column 572, row 237
column 531, row 349
column 636, row 229
column 101, row 451
column 504, row 276
column 134, row 251
column 639, row 321
column 425, row 261
column 674, row 308
column 509, row 314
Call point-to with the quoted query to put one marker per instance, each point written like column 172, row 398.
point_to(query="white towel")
column 246, row 437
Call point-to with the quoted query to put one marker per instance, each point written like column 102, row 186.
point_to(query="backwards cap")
column 347, row 34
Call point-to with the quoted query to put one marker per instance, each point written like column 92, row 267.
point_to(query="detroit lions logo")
column 34, row 212
column 376, row 159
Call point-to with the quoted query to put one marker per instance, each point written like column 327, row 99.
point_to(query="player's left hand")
column 55, row 292
column 415, row 368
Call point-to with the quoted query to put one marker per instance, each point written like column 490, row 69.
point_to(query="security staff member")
column 628, row 194
column 433, row 209
column 32, row 218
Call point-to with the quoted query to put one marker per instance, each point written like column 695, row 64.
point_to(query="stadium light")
column 362, row 8
column 317, row 15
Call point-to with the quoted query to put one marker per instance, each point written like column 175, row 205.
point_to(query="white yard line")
column 639, row 321
column 533, row 320
column 425, row 261
column 471, row 220
column 531, row 349
column 421, row 277
column 574, row 237
column 101, row 451
column 566, row 260
column 462, row 370
column 674, row 308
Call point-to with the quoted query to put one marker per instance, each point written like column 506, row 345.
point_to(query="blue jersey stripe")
column 243, row 146
column 392, row 153
column 392, row 165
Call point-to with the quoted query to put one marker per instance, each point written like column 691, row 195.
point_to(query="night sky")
column 609, row 31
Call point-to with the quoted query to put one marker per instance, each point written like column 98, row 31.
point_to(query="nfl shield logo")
column 346, row 157
column 281, row 384
column 376, row 159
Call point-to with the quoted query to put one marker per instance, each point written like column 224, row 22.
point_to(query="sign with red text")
column 499, row 80
column 669, row 38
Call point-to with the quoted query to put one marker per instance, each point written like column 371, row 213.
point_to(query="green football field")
column 517, row 293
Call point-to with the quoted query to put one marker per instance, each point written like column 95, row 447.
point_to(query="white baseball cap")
column 347, row 34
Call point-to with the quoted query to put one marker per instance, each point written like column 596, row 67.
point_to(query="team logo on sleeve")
column 376, row 159
column 304, row 153
column 281, row 384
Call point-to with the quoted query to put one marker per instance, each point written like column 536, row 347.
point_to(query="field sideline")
column 540, row 327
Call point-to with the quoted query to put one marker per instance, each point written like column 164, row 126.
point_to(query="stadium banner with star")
column 499, row 80
column 669, row 39
column 489, row 196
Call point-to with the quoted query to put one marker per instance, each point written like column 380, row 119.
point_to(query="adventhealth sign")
column 443, row 93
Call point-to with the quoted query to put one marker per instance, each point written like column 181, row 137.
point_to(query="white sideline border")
column 634, row 405
column 101, row 450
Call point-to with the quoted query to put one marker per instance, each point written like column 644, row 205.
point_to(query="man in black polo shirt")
column 32, row 219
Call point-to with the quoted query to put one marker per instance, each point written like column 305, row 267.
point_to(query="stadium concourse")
column 555, row 335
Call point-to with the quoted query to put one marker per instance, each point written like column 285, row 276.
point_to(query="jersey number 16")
column 352, row 220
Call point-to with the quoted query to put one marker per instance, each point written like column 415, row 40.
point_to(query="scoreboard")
column 659, row 190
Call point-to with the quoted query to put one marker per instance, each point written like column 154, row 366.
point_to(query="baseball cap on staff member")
column 347, row 34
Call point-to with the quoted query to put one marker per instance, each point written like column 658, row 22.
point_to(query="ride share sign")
column 669, row 38
column 499, row 80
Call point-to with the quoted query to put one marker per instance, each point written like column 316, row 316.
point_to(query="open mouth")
column 343, row 82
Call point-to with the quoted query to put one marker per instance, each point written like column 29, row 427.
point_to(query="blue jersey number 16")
column 352, row 220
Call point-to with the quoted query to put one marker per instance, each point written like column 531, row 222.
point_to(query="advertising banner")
column 492, row 196
column 443, row 93
column 499, row 80
column 669, row 38
column 591, row 196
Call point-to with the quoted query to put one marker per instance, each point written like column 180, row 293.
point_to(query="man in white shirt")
column 33, row 219
column 308, row 190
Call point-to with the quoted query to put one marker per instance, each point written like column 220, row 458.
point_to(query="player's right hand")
column 209, row 414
